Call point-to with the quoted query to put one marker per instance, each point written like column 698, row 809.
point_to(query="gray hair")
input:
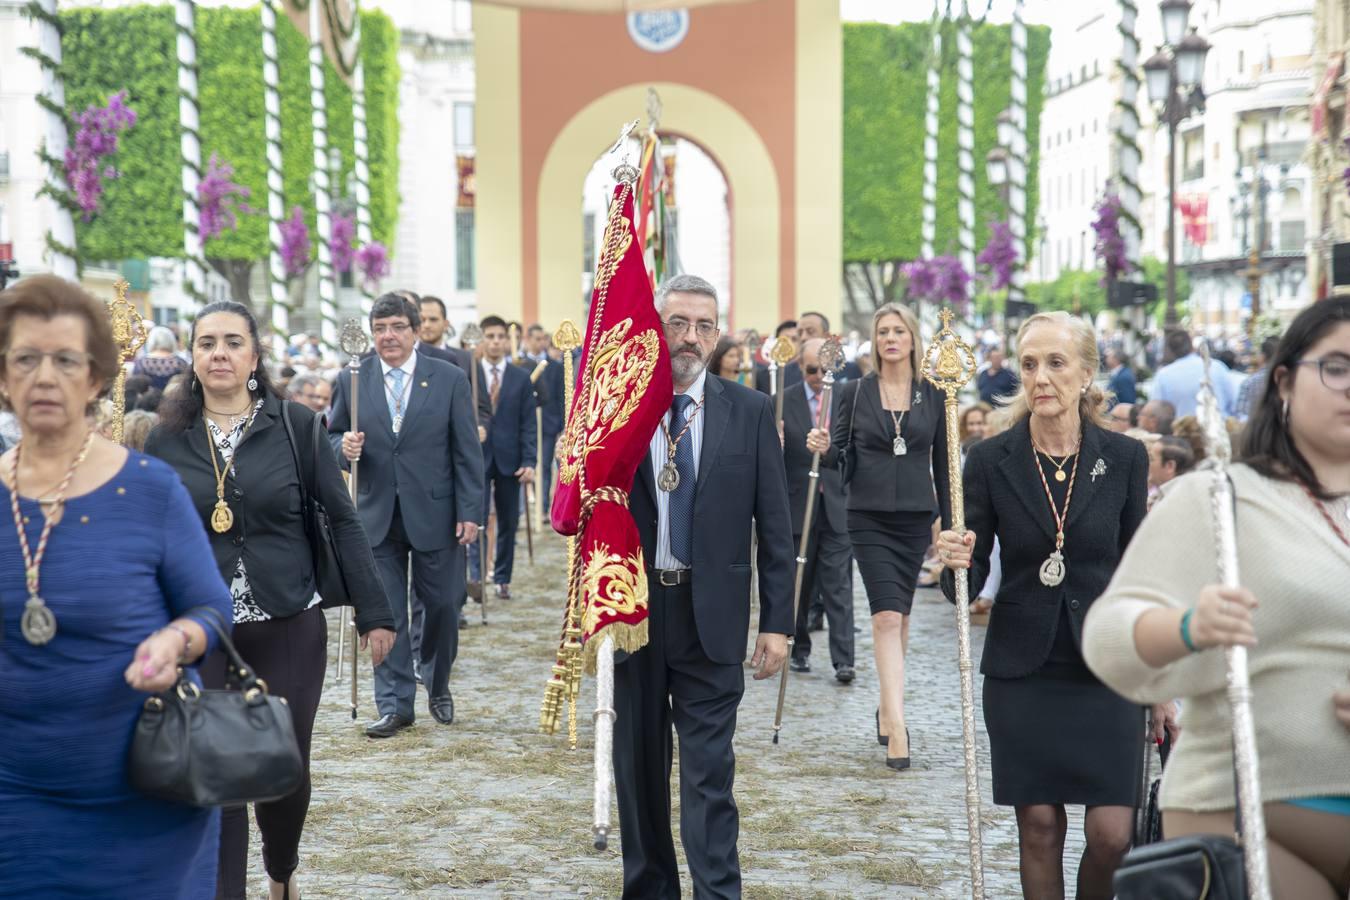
column 298, row 384
column 683, row 284
column 161, row 338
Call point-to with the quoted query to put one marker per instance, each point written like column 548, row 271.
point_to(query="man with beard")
column 720, row 439
column 421, row 491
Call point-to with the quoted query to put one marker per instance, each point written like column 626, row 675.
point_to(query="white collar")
column 499, row 365
column 409, row 365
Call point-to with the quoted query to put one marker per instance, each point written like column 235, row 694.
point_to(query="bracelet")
column 187, row 639
column 1186, row 631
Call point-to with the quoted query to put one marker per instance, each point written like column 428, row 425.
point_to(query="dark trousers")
column 829, row 557
column 501, row 489
column 671, row 681
column 438, row 578
column 291, row 656
column 544, row 477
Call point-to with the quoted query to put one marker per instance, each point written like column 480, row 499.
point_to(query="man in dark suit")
column 1121, row 383
column 420, row 489
column 509, row 454
column 431, row 342
column 829, row 541
column 696, row 543
column 813, row 325
column 549, row 391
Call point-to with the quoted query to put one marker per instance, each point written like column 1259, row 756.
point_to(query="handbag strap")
column 211, row 616
column 305, row 478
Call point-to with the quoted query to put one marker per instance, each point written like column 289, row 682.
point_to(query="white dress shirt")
column 499, row 365
column 409, row 366
column 658, row 452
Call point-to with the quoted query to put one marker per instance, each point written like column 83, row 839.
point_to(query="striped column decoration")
column 965, row 141
column 930, row 139
column 1126, row 159
column 328, row 327
column 276, row 211
column 52, row 98
column 1017, row 154
column 362, row 165
column 189, row 120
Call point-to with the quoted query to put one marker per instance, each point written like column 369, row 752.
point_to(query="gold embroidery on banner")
column 624, row 589
column 621, row 368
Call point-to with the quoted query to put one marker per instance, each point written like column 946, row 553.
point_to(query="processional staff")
column 1245, row 761
column 746, row 373
column 831, row 361
column 518, row 356
column 949, row 363
column 781, row 352
column 129, row 334
column 472, row 337
column 566, row 680
column 354, row 343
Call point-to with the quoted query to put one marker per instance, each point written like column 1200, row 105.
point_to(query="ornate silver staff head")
column 1210, row 417
column 831, row 358
column 625, row 171
column 354, row 341
column 472, row 336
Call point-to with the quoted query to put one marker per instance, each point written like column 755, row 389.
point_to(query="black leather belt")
column 673, row 577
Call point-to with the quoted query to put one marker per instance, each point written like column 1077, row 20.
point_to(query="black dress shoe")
column 844, row 675
column 816, row 622
column 799, row 664
column 504, row 591
column 387, row 726
column 443, row 709
column 881, row 738
column 900, row 763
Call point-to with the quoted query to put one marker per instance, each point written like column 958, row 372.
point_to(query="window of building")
column 463, row 127
column 464, row 274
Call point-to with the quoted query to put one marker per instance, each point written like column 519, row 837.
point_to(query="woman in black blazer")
column 224, row 435
column 1063, row 495
column 890, row 439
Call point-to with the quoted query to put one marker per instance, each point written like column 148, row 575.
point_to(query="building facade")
column 1328, row 154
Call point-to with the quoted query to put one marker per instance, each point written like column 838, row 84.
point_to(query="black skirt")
column 1059, row 736
column 889, row 548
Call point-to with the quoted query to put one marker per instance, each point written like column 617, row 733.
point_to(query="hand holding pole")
column 354, row 343
column 831, row 361
column 949, row 364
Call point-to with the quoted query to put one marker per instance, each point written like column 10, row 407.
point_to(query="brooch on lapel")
column 424, row 384
column 1099, row 468
column 918, row 398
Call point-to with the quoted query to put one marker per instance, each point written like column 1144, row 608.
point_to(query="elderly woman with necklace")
column 101, row 569
column 226, row 438
column 1063, row 495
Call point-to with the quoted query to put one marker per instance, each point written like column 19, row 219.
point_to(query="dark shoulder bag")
column 328, row 576
column 848, row 454
column 216, row 748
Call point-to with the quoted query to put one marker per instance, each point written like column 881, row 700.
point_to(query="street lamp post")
column 1173, row 76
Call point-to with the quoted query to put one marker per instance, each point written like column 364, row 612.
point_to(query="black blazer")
column 741, row 487
column 884, row 482
column 513, row 439
column 463, row 359
column 433, row 467
column 796, row 423
column 269, row 531
column 792, row 374
column 1005, row 499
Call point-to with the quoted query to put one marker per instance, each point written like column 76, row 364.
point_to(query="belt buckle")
column 669, row 577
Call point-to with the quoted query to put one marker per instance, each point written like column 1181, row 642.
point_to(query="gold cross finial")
column 946, row 318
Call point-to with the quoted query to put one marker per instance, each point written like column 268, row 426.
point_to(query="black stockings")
column 1041, row 830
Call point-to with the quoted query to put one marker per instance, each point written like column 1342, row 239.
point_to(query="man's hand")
column 771, row 652
column 352, row 442
column 482, row 434
column 817, row 441
column 525, row 474
column 380, row 640
column 466, row 532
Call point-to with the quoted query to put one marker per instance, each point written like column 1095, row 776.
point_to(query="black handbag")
column 1195, row 867
column 332, row 586
column 216, row 748
column 848, row 454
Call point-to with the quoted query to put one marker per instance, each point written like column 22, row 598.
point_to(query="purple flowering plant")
column 999, row 256
column 295, row 243
column 1110, row 243
column 941, row 279
column 99, row 127
column 340, row 245
column 373, row 261
column 220, row 199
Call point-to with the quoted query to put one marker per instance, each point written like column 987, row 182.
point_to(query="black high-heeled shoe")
column 900, row 763
column 881, row 738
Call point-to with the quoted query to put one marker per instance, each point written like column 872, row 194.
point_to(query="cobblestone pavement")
column 488, row 807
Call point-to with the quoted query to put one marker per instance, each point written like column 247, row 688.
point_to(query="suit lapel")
column 796, row 405
column 1086, row 484
column 417, row 394
column 716, row 415
column 645, row 475
column 1019, row 470
column 374, row 402
column 198, row 440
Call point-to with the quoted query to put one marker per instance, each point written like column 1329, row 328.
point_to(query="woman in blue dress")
column 115, row 558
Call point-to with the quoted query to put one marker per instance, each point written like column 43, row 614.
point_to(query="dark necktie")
column 495, row 388
column 681, row 509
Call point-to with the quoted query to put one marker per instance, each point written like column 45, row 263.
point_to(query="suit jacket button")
column 238, row 495
column 1073, row 604
column 238, row 540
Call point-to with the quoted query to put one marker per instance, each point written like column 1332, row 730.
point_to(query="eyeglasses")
column 67, row 362
column 811, row 370
column 679, row 327
column 398, row 328
column 1334, row 371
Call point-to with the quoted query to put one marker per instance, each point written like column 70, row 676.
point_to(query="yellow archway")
column 702, row 117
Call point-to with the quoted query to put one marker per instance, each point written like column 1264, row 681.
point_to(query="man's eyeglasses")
column 397, row 328
column 67, row 362
column 811, row 370
column 678, row 327
column 1334, row 371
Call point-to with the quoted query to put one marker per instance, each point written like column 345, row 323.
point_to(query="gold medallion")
column 1059, row 475
column 222, row 517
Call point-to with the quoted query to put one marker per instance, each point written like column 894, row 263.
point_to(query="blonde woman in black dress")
column 890, row 439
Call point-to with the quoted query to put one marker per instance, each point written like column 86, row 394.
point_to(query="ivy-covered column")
column 328, row 327
column 52, row 98
column 1017, row 154
column 1127, row 156
column 362, row 163
column 930, row 138
column 189, row 118
column 276, row 268
column 965, row 140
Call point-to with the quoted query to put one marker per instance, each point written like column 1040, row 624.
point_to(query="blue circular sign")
column 658, row 32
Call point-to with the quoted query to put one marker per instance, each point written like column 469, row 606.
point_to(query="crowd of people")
column 1090, row 553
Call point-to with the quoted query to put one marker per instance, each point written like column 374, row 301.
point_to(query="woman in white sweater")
column 1158, row 631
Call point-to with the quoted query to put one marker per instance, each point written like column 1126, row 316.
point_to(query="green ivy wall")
column 885, row 94
column 104, row 51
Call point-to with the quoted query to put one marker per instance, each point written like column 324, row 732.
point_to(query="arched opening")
column 698, row 215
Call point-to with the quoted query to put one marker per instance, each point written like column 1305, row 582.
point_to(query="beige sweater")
column 1300, row 573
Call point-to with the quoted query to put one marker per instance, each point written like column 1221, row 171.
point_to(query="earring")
column 252, row 383
column 1284, row 410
